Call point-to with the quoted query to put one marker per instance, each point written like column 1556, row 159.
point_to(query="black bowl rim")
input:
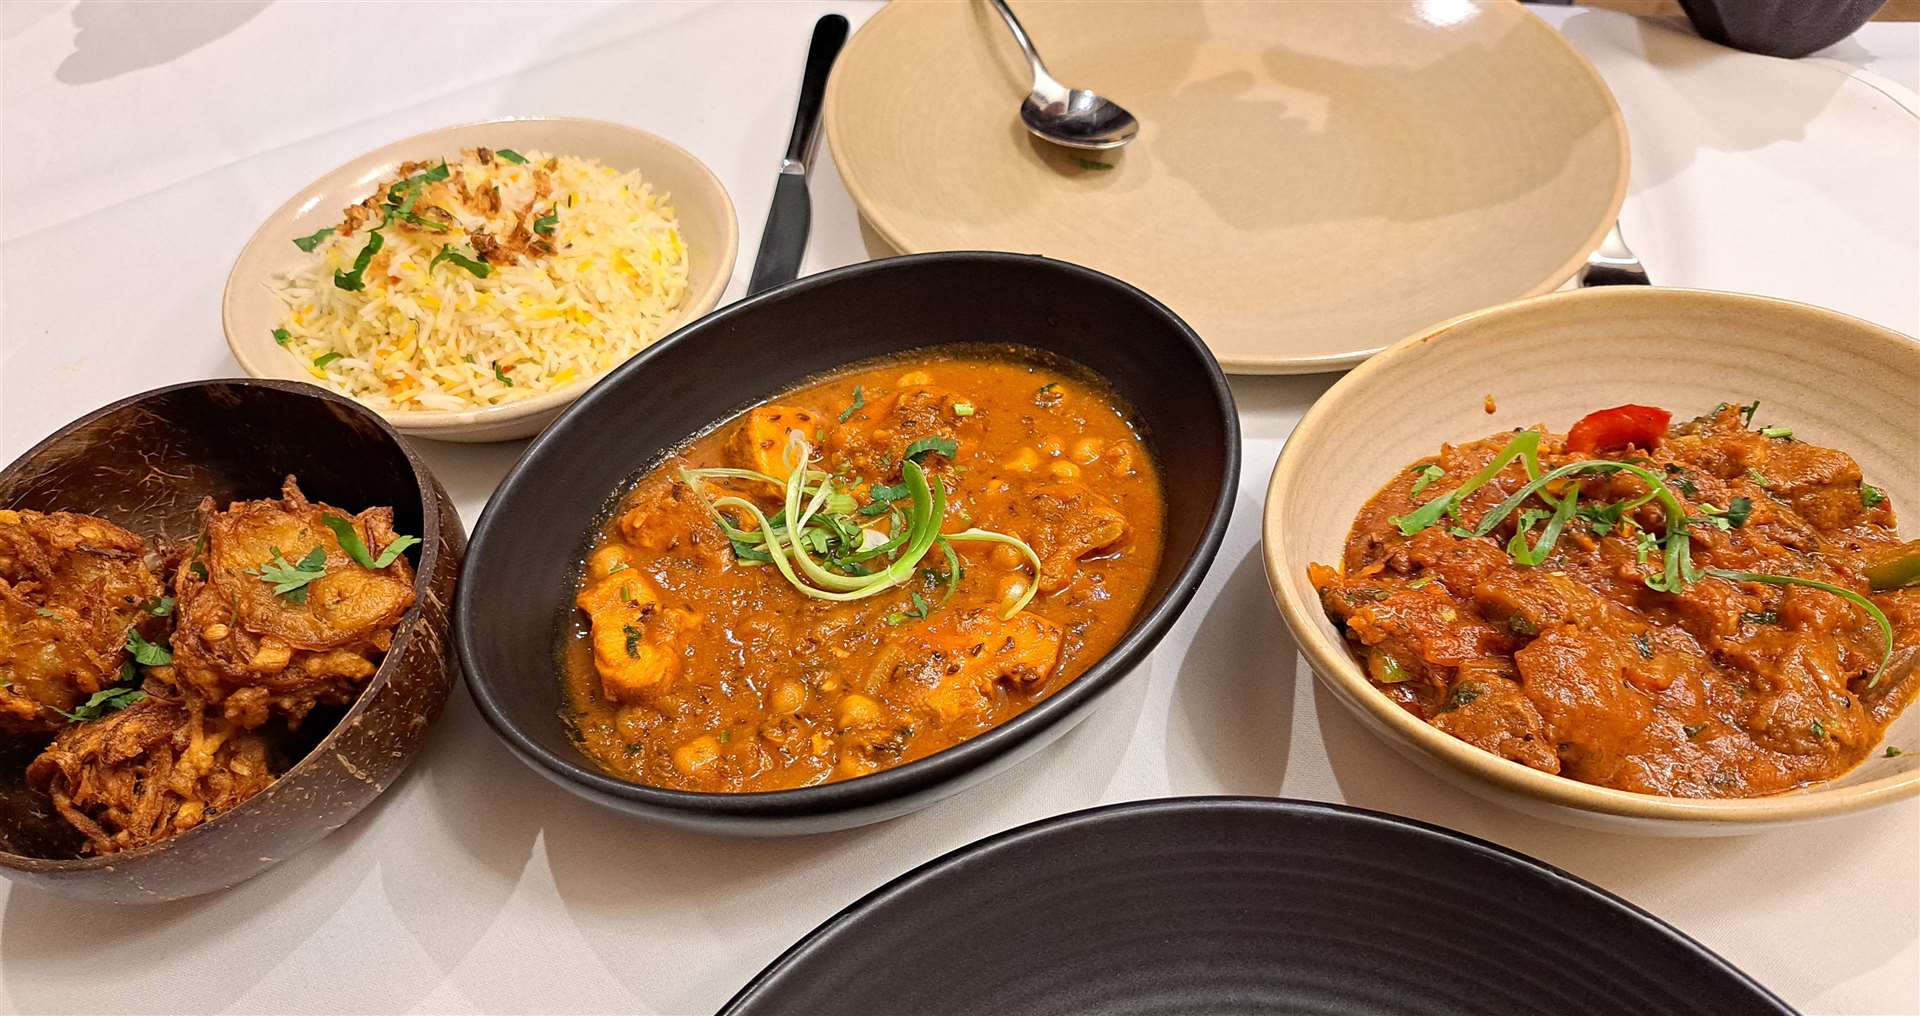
column 921, row 774
column 431, row 527
column 1025, row 837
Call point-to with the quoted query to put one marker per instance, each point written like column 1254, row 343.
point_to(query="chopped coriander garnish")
column 501, row 376
column 1893, row 752
column 1870, row 495
column 1776, row 432
column 633, row 641
column 1818, row 730
column 511, row 156
column 1759, row 478
column 478, row 269
column 159, row 606
column 356, row 280
column 1747, row 411
column 146, row 653
column 1739, row 509
column 545, row 223
column 326, row 358
column 311, row 240
column 1424, row 477
column 103, row 702
column 942, row 446
column 281, row 335
column 859, row 400
column 919, row 608
column 290, row 581
column 356, row 548
column 1762, row 617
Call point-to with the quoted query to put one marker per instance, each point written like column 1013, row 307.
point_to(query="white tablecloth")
column 143, row 142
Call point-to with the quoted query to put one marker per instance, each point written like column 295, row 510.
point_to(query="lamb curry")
column 862, row 572
column 1713, row 609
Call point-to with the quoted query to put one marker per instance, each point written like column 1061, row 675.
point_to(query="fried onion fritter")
column 71, row 586
column 255, row 653
column 150, row 771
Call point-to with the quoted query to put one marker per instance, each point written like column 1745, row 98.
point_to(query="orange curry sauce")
column 1577, row 667
column 691, row 669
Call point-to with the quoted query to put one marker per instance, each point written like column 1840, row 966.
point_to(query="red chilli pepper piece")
column 1642, row 426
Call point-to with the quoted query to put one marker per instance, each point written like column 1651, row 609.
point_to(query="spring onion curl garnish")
column 817, row 541
column 1678, row 569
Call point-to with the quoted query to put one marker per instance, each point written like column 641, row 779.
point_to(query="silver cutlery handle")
column 1614, row 264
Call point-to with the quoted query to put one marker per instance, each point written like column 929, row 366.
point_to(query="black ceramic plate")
column 1244, row 905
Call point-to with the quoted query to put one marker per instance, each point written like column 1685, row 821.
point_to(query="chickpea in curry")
column 862, row 572
column 1713, row 609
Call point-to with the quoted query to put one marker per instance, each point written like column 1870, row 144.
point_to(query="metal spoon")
column 1073, row 117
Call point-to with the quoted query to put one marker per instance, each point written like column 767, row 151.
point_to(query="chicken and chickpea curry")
column 1711, row 609
column 862, row 572
column 168, row 684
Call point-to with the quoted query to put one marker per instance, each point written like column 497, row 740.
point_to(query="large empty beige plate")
column 1312, row 181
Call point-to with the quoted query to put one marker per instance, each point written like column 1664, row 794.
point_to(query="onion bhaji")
column 153, row 769
column 276, row 616
column 71, row 587
column 279, row 606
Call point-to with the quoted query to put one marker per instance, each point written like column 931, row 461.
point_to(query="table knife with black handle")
column 784, row 239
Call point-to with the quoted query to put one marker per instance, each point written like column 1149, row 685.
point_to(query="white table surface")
column 144, row 142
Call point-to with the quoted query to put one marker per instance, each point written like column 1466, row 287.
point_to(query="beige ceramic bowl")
column 1838, row 381
column 708, row 227
column 1312, row 180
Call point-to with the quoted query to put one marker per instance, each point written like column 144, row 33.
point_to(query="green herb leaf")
column 356, row 548
column 1762, row 617
column 326, row 358
column 1738, row 511
column 859, row 400
column 159, row 606
column 356, row 280
column 1525, row 444
column 281, row 335
column 103, row 702
column 290, row 581
column 478, row 269
column 1681, row 480
column 1091, row 164
column 920, row 608
column 1870, row 495
column 619, row 566
column 1760, row 480
column 511, row 156
column 1425, row 475
column 311, row 240
column 634, row 636
column 544, row 224
column 1818, row 730
column 941, row 446
column 501, row 376
column 1893, row 752
column 146, row 653
column 1747, row 411
column 1776, row 432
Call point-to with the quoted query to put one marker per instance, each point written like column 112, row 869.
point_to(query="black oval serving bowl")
column 516, row 596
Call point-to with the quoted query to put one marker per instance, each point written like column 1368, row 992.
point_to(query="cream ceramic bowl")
column 708, row 227
column 1838, row 381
